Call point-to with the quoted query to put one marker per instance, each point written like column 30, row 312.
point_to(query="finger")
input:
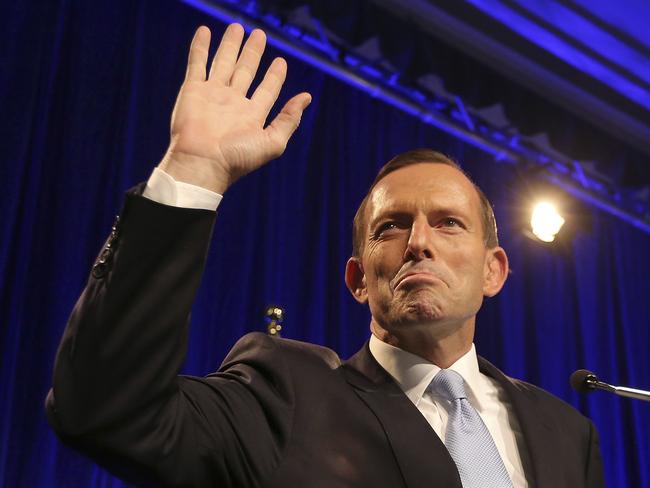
column 286, row 122
column 248, row 62
column 268, row 90
column 225, row 58
column 198, row 57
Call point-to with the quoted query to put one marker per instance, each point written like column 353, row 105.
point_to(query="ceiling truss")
column 487, row 129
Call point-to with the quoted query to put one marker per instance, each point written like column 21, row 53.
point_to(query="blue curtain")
column 86, row 90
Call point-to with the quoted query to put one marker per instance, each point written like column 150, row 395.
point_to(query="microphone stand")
column 593, row 383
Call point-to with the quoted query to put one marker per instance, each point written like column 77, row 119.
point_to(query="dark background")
column 86, row 90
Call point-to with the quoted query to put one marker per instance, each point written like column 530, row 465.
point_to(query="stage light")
column 546, row 222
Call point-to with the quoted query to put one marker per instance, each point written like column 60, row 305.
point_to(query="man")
column 415, row 407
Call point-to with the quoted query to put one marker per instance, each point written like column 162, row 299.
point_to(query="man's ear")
column 496, row 271
column 355, row 279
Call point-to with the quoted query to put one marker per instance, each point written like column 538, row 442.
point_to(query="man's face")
column 424, row 257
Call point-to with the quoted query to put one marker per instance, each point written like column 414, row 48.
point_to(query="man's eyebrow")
column 403, row 215
column 451, row 212
column 389, row 214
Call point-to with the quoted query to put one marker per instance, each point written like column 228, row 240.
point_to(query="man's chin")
column 422, row 312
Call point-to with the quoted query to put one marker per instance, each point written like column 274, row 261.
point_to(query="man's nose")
column 420, row 243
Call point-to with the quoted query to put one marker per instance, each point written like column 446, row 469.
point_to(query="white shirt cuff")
column 162, row 188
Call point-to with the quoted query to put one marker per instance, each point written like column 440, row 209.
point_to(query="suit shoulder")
column 533, row 397
column 263, row 346
column 547, row 400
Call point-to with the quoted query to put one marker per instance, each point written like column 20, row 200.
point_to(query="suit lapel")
column 538, row 428
column 422, row 457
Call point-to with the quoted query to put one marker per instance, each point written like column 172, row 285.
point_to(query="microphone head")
column 580, row 381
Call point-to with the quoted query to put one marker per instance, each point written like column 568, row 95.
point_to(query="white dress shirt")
column 413, row 375
column 162, row 188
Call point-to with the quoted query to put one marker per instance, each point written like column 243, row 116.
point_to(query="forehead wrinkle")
column 442, row 195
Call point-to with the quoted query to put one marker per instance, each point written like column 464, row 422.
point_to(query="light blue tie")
column 467, row 439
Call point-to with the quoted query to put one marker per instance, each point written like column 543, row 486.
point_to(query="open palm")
column 217, row 133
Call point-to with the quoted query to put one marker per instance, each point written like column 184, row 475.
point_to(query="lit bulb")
column 546, row 222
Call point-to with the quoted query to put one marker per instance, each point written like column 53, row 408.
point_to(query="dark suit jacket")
column 278, row 413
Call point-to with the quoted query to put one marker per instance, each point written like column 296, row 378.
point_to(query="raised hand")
column 218, row 134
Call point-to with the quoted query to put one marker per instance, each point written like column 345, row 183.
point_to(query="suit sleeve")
column 116, row 392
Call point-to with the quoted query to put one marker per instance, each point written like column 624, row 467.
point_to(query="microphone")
column 584, row 381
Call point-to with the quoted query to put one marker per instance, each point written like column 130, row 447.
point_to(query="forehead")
column 432, row 185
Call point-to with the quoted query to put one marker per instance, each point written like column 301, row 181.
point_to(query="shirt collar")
column 413, row 373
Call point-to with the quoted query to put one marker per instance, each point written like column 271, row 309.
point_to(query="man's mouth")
column 416, row 278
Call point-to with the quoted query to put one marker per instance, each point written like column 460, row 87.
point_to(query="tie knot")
column 448, row 384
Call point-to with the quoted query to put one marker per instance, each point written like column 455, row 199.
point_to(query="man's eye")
column 450, row 222
column 386, row 226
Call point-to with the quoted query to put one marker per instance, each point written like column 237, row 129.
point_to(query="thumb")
column 287, row 121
